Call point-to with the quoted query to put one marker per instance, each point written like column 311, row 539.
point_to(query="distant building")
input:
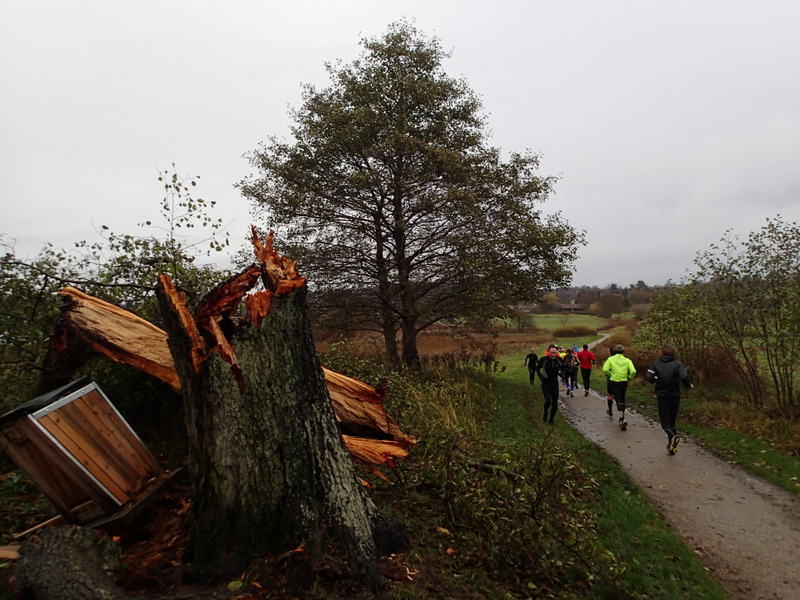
column 571, row 308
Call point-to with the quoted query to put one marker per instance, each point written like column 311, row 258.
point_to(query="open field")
column 504, row 339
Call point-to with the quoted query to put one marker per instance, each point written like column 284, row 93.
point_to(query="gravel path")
column 745, row 531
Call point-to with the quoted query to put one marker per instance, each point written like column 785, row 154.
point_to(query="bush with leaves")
column 574, row 331
column 121, row 269
column 739, row 314
column 518, row 509
column 28, row 308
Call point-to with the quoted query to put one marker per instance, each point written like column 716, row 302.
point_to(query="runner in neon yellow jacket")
column 619, row 371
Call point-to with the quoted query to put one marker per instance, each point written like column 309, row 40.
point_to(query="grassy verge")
column 499, row 505
column 649, row 559
column 554, row 321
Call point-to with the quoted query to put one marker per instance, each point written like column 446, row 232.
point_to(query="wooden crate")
column 79, row 451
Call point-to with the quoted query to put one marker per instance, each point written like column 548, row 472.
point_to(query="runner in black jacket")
column 668, row 375
column 549, row 371
column 532, row 361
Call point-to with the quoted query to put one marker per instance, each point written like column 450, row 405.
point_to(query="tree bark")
column 410, row 351
column 389, row 329
column 270, row 471
column 69, row 563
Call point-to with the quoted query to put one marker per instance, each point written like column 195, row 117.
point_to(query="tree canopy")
column 744, row 302
column 399, row 211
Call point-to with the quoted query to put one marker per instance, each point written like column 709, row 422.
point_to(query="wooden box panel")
column 91, row 431
column 49, row 476
column 78, row 450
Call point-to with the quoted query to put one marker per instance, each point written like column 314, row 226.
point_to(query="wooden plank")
column 83, row 507
column 39, row 475
column 148, row 495
column 77, row 445
column 51, row 521
column 145, row 461
column 118, row 433
column 77, row 435
column 107, row 439
column 46, row 474
column 9, row 552
column 56, row 459
column 92, row 441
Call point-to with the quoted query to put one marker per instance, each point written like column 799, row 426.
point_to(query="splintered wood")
column 373, row 437
column 115, row 332
column 280, row 274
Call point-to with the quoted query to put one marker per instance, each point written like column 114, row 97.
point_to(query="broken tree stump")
column 269, row 469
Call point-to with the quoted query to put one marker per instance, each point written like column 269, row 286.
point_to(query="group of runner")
column 562, row 365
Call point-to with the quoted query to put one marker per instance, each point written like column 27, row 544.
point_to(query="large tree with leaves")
column 741, row 308
column 400, row 213
column 752, row 291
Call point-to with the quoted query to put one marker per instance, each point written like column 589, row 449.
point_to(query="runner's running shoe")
column 675, row 441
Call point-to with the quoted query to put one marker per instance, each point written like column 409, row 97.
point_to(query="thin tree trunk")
column 390, row 339
column 410, row 351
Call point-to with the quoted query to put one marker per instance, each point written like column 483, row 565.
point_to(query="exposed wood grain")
column 124, row 337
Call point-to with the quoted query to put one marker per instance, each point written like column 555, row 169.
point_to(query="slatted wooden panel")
column 54, row 473
column 92, row 432
column 118, row 435
column 48, row 476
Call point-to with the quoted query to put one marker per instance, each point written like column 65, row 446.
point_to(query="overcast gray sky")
column 668, row 122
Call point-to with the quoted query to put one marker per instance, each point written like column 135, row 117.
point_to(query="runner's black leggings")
column 550, row 393
column 668, row 414
column 571, row 378
column 586, row 374
column 619, row 388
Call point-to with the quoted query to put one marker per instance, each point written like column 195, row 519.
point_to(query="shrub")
column 574, row 331
column 516, row 509
column 712, row 365
column 603, row 349
column 505, row 508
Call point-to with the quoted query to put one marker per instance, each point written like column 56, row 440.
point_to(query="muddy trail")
column 744, row 530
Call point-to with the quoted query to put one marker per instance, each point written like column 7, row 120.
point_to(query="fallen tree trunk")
column 89, row 323
column 68, row 563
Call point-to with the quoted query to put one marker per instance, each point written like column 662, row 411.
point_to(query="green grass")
column 655, row 561
column 755, row 454
column 554, row 321
column 21, row 505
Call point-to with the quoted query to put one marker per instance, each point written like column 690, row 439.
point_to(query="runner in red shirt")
column 586, row 360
